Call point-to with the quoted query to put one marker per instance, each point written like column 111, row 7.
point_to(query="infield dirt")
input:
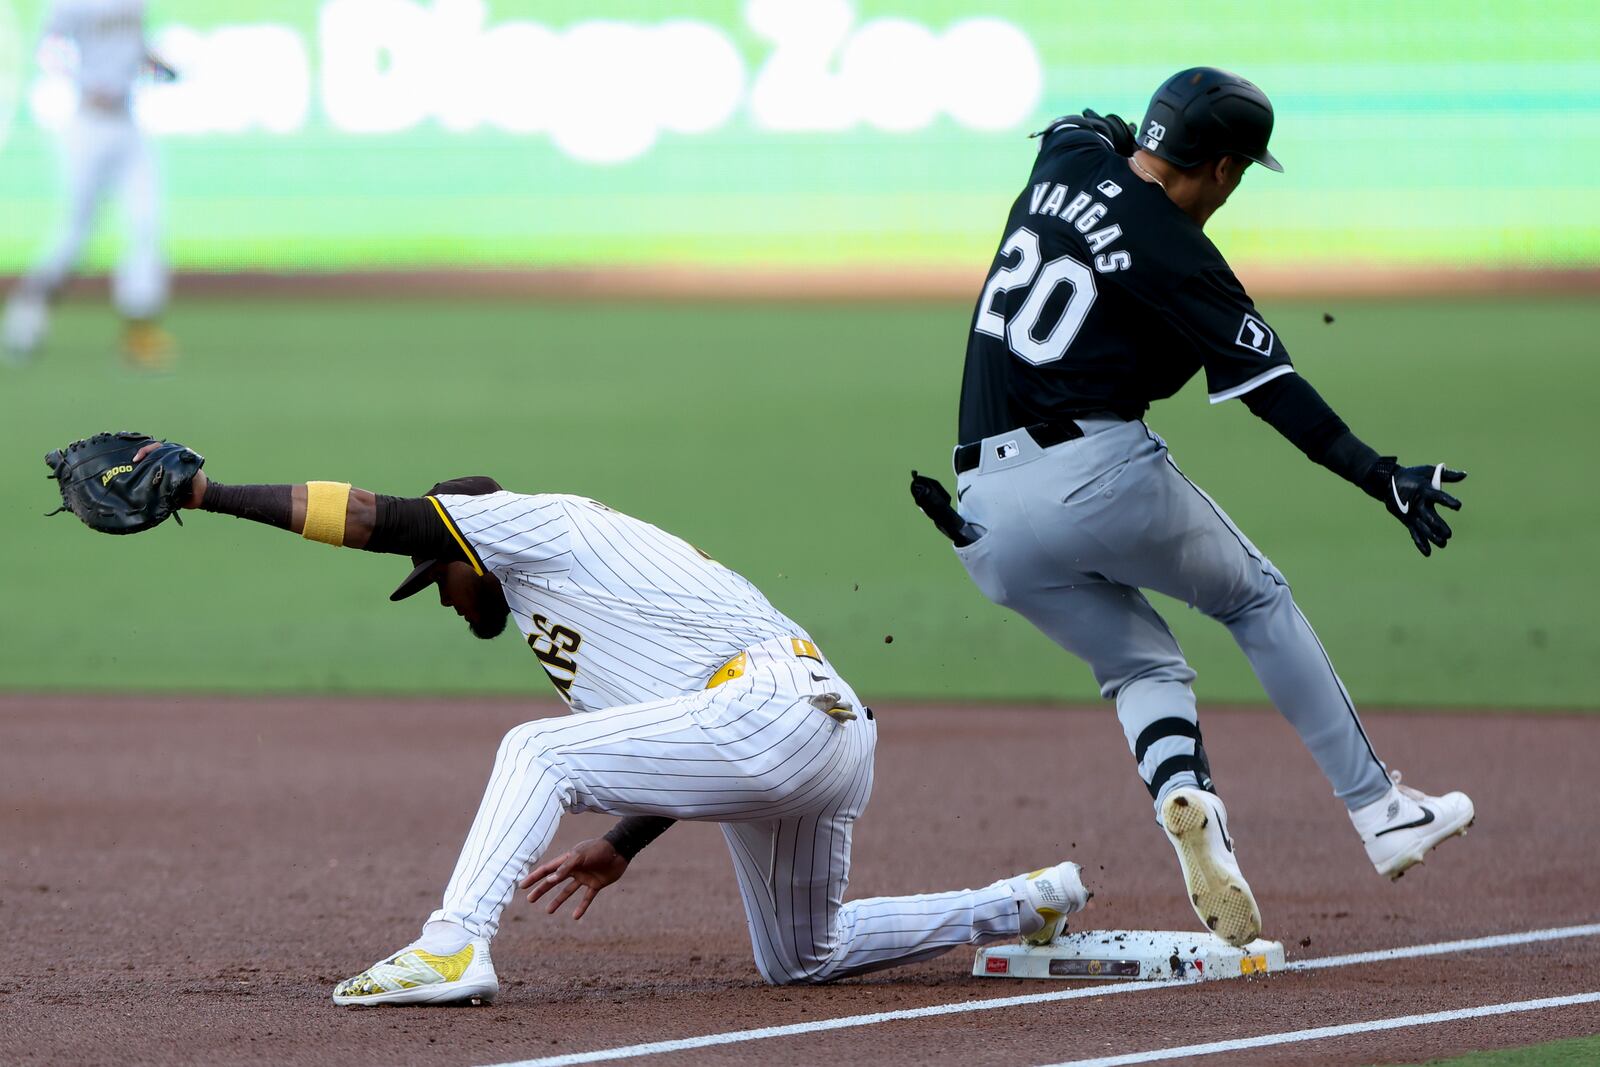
column 183, row 881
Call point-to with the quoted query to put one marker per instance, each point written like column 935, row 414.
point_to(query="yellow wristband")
column 326, row 505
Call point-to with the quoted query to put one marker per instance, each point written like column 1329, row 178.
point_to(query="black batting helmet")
column 1202, row 113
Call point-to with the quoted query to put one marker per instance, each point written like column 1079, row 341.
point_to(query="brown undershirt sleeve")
column 270, row 504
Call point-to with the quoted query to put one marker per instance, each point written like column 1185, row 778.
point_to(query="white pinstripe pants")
column 785, row 780
column 101, row 154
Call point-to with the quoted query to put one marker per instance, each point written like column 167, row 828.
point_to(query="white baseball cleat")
column 1047, row 896
column 414, row 976
column 23, row 327
column 1196, row 824
column 1401, row 827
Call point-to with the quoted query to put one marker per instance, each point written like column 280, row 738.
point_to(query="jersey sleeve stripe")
column 1261, row 379
column 472, row 557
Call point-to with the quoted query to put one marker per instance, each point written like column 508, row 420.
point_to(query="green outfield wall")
column 360, row 134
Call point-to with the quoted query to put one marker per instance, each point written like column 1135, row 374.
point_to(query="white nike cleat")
column 413, row 976
column 1048, row 896
column 1195, row 821
column 1401, row 827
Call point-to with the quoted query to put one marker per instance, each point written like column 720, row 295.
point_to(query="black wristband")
column 269, row 504
column 632, row 834
column 1350, row 458
column 1375, row 480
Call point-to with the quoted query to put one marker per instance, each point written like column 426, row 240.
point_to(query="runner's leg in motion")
column 1225, row 576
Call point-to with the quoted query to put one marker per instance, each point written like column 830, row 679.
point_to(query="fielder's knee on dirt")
column 823, row 963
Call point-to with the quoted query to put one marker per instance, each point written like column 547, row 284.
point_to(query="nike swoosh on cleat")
column 1226, row 840
column 1402, row 505
column 1427, row 817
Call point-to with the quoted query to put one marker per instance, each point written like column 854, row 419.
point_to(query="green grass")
column 1574, row 1052
column 779, row 439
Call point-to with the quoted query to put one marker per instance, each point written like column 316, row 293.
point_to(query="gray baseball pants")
column 1072, row 533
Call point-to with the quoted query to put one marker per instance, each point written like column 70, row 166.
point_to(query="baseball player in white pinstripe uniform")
column 696, row 699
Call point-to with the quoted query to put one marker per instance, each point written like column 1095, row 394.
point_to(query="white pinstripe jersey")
column 109, row 36
column 617, row 610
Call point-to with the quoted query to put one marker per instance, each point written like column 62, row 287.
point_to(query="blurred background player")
column 103, row 151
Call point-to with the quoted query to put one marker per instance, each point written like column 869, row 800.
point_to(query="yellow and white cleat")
column 146, row 347
column 413, row 976
column 1048, row 896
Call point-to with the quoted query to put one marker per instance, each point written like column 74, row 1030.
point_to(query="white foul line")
column 1471, row 944
column 1320, row 1033
column 732, row 1037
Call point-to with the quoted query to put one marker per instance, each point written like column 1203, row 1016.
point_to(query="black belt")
column 1044, row 434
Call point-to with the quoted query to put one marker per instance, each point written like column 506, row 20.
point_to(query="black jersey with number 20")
column 1104, row 296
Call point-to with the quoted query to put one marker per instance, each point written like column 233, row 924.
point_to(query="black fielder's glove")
column 1113, row 128
column 102, row 485
column 1412, row 495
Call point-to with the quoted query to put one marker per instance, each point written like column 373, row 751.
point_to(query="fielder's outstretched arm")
column 334, row 513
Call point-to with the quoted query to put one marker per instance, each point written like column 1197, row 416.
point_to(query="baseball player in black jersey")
column 1106, row 295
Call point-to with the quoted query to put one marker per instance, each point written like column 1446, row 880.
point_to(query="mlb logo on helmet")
column 1153, row 135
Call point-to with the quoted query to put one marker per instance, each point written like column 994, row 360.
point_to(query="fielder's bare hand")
column 588, row 866
column 197, row 488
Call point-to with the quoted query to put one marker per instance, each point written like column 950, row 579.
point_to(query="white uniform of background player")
column 631, row 623
column 103, row 152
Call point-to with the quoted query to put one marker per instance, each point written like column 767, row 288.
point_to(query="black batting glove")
column 1412, row 495
column 1113, row 128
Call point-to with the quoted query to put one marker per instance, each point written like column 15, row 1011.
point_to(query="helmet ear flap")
column 1161, row 122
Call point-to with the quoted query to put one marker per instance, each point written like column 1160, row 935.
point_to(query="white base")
column 1137, row 955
